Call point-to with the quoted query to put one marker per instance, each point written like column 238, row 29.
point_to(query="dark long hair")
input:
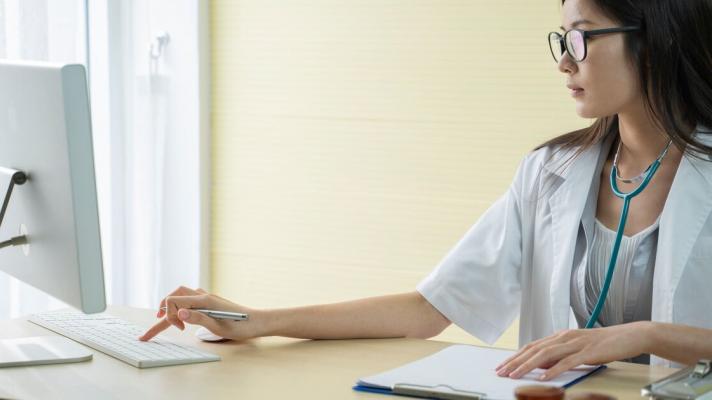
column 673, row 56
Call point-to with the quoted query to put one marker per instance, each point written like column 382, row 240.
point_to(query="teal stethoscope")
column 645, row 177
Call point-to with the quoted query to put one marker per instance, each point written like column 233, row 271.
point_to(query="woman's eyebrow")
column 577, row 23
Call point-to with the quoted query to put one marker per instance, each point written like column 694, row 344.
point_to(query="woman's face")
column 605, row 82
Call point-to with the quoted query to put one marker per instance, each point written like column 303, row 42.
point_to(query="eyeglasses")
column 574, row 41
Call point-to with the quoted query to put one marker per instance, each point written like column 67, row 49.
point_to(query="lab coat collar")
column 686, row 210
column 567, row 205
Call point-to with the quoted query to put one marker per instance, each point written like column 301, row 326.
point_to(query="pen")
column 220, row 314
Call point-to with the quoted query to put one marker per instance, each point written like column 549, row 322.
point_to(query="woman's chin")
column 585, row 111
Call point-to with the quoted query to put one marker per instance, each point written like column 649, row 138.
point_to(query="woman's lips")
column 575, row 90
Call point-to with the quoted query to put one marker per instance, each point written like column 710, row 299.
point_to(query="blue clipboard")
column 424, row 374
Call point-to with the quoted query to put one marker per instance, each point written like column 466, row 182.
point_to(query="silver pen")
column 233, row 316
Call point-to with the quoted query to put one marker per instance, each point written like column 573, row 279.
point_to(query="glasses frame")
column 586, row 35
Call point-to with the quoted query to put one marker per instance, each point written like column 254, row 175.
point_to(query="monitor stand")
column 41, row 350
column 37, row 350
column 16, row 178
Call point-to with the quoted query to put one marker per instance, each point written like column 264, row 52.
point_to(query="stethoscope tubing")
column 627, row 197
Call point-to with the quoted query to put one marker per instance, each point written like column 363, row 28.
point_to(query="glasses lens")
column 556, row 45
column 576, row 45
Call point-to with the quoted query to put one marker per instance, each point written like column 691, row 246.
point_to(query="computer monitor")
column 49, row 233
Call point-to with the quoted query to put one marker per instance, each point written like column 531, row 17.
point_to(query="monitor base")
column 41, row 350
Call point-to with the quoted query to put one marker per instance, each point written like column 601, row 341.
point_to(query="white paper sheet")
column 464, row 368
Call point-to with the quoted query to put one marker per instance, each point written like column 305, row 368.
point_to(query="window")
column 150, row 134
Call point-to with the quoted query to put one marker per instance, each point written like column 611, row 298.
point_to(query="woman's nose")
column 566, row 64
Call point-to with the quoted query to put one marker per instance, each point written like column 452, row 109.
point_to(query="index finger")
column 155, row 330
column 523, row 350
column 562, row 366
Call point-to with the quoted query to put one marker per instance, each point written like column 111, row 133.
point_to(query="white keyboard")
column 119, row 338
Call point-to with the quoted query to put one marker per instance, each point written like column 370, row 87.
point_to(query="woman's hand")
column 571, row 348
column 178, row 311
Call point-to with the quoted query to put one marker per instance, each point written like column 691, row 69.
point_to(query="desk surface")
column 265, row 368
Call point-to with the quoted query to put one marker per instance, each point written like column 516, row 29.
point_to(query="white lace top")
column 630, row 295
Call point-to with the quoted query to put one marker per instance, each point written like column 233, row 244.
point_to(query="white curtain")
column 148, row 88
column 149, row 94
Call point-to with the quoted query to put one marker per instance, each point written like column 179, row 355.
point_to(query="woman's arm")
column 570, row 348
column 680, row 343
column 399, row 315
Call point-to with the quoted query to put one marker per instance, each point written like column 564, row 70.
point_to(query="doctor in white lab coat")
column 642, row 69
column 516, row 261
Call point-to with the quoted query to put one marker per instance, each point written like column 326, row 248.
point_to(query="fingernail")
column 514, row 375
column 542, row 377
column 183, row 314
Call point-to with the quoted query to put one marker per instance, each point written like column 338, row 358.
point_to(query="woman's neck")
column 642, row 142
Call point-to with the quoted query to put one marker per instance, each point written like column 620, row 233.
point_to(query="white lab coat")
column 517, row 259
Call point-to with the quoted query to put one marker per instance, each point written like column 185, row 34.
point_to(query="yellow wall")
column 355, row 141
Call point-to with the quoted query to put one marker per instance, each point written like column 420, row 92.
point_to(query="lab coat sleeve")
column 477, row 285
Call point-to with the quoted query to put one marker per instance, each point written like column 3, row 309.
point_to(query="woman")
column 541, row 252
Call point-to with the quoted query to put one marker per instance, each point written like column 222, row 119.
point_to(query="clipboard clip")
column 702, row 368
column 688, row 384
column 435, row 392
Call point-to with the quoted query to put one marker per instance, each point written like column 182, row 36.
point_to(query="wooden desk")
column 266, row 368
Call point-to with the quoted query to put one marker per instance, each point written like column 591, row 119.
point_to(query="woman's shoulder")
column 545, row 168
column 551, row 158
